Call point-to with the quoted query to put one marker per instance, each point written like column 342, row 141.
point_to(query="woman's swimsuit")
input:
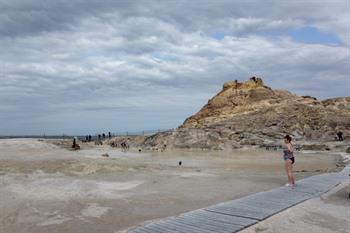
column 288, row 155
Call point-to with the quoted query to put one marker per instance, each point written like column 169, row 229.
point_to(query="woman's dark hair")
column 288, row 138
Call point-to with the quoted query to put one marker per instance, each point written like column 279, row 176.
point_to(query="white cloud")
column 154, row 65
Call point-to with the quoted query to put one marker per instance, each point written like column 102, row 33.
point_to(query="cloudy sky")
column 87, row 66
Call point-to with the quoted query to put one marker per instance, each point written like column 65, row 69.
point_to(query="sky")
column 92, row 66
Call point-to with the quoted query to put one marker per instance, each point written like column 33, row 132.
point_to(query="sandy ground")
column 45, row 188
column 329, row 213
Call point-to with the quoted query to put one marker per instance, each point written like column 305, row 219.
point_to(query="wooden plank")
column 139, row 230
column 279, row 196
column 275, row 200
column 240, row 212
column 190, row 227
column 151, row 229
column 250, row 209
column 315, row 184
column 265, row 205
column 135, row 230
column 178, row 228
column 203, row 225
column 213, row 222
column 145, row 229
column 312, row 192
column 225, row 218
column 320, row 181
column 308, row 189
column 181, row 228
column 194, row 229
column 165, row 228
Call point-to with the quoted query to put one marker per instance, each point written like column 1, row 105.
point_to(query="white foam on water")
column 113, row 153
column 195, row 174
column 345, row 156
column 59, row 219
column 66, row 188
column 94, row 210
column 25, row 144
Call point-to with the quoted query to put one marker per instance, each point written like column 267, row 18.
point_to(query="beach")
column 47, row 188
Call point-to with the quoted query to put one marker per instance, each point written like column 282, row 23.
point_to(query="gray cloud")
column 85, row 66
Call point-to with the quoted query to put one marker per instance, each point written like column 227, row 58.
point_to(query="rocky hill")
column 251, row 113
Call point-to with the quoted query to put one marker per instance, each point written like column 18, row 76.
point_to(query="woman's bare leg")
column 287, row 166
column 291, row 177
column 292, row 174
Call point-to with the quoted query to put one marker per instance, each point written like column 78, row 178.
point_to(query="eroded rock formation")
column 251, row 113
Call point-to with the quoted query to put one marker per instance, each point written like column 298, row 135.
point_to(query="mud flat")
column 46, row 188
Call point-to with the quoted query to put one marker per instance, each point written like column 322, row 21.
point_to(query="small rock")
column 105, row 155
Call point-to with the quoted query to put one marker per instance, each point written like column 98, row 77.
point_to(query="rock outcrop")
column 251, row 113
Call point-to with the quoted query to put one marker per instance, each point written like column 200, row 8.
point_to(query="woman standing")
column 288, row 157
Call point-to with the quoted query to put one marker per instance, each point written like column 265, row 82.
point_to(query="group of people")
column 88, row 138
column 103, row 136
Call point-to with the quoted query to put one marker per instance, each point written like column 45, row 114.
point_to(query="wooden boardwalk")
column 233, row 216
